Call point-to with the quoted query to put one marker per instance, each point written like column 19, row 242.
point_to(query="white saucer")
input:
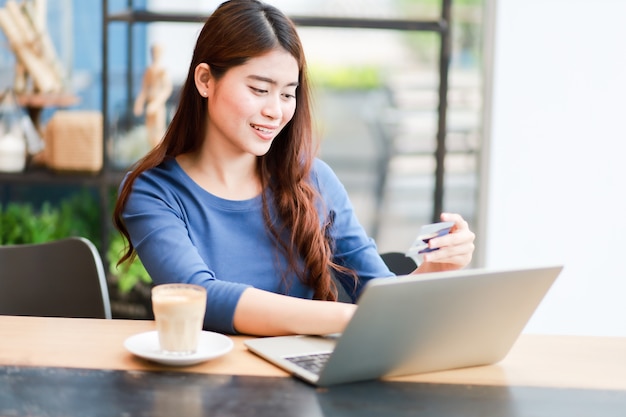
column 210, row 345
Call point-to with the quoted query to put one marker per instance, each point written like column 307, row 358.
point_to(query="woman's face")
column 252, row 103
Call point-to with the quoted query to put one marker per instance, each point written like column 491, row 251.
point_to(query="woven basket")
column 74, row 141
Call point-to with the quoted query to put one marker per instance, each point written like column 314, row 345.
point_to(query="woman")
column 234, row 199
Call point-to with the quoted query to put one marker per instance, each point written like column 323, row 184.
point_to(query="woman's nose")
column 272, row 108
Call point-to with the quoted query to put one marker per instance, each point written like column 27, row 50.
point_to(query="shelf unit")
column 440, row 26
column 110, row 177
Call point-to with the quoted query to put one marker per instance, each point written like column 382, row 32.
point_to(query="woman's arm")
column 265, row 313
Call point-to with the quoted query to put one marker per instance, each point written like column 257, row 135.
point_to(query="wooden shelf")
column 47, row 100
column 42, row 175
column 34, row 103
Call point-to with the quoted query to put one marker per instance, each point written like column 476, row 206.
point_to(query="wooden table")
column 581, row 373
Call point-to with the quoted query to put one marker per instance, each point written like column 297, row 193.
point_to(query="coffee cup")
column 179, row 313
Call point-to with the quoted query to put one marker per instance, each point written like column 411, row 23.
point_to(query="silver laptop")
column 418, row 323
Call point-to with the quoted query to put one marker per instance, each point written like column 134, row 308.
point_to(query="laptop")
column 417, row 323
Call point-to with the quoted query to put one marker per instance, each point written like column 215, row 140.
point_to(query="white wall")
column 556, row 156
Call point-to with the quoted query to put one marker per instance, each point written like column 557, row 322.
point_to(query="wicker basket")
column 74, row 141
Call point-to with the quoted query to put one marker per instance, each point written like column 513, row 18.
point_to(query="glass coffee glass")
column 179, row 313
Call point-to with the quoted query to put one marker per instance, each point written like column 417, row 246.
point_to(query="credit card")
column 427, row 232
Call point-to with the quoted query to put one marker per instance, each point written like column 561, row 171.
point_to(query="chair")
column 63, row 278
column 397, row 263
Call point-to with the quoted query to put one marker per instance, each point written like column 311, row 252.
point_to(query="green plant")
column 347, row 78
column 128, row 274
column 22, row 223
column 19, row 225
column 78, row 215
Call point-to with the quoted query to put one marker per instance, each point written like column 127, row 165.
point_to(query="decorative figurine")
column 156, row 88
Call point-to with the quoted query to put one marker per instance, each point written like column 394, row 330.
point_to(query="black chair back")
column 63, row 278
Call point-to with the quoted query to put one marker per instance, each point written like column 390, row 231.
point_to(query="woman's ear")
column 202, row 77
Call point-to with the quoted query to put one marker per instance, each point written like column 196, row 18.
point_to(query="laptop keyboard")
column 312, row 363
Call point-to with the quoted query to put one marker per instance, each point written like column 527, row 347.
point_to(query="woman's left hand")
column 455, row 249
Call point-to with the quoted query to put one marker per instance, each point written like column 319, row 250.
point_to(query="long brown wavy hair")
column 237, row 31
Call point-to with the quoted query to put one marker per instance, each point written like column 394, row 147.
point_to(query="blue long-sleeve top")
column 182, row 233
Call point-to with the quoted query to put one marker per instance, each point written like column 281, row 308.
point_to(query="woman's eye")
column 258, row 90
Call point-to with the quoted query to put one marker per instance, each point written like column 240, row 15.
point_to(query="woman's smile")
column 266, row 132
